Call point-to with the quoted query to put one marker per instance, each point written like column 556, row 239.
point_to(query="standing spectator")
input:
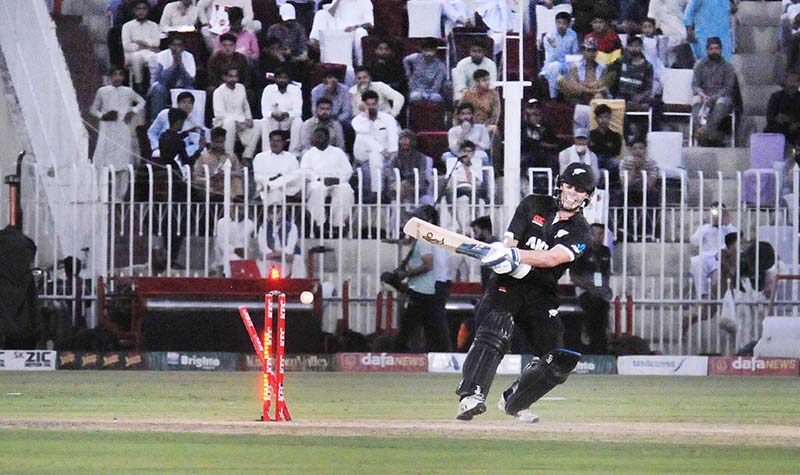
column 140, row 40
column 538, row 148
column 328, row 172
column 709, row 238
column 591, row 274
column 232, row 113
column 557, row 45
column 579, row 152
column 282, row 108
column 584, row 81
column 215, row 17
column 246, row 42
column 386, row 68
column 114, row 106
column 407, row 160
column 215, row 158
column 605, row 38
column 667, row 16
column 277, row 172
column 181, row 14
column 484, row 99
column 605, row 143
column 466, row 179
column 225, row 58
column 389, row 100
column 783, row 110
column 173, row 68
column 191, row 130
column 707, row 19
column 322, row 118
column 713, row 86
column 276, row 230
column 354, row 16
column 463, row 74
column 653, row 53
column 426, row 74
column 290, row 33
column 640, row 188
column 337, row 94
column 376, row 137
column 467, row 129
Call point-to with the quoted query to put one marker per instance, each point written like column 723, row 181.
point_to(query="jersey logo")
column 502, row 289
column 578, row 248
column 552, row 313
column 536, row 244
column 538, row 219
column 578, row 171
column 561, row 233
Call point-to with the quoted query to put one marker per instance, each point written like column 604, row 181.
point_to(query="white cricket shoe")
column 471, row 406
column 524, row 415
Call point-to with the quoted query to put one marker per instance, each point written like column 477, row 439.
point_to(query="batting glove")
column 502, row 260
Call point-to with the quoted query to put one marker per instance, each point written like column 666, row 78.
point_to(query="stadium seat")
column 320, row 69
column 665, row 148
column 424, row 19
column 390, row 18
column 336, row 47
column 426, row 116
column 677, row 96
column 433, row 144
column 766, row 157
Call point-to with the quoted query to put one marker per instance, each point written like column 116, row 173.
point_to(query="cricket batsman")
column 546, row 235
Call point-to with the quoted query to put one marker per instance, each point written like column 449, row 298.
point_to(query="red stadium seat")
column 426, row 116
column 320, row 69
column 434, row 145
column 560, row 117
column 463, row 38
column 529, row 63
column 391, row 18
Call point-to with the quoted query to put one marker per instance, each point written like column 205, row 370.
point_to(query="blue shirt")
column 567, row 44
column 424, row 283
column 161, row 124
column 341, row 101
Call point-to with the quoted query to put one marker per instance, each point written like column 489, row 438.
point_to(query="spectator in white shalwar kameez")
column 232, row 113
column 140, row 41
column 668, row 15
column 273, row 232
column 232, row 237
column 710, row 239
column 327, row 171
column 282, row 108
column 350, row 16
column 276, row 172
column 376, row 137
column 115, row 105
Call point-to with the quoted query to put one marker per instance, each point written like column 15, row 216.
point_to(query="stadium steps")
column 757, row 39
column 83, row 67
column 759, row 13
column 757, row 69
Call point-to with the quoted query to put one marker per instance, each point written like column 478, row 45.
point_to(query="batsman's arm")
column 550, row 258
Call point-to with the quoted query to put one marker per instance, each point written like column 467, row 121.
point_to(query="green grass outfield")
column 103, row 422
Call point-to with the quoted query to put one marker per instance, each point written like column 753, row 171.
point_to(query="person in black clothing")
column 783, row 110
column 591, row 274
column 538, row 147
column 546, row 234
column 482, row 231
column 605, row 143
column 388, row 69
column 172, row 145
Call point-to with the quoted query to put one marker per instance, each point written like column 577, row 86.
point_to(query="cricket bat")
column 458, row 243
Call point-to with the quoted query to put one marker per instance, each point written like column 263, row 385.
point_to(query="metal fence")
column 165, row 213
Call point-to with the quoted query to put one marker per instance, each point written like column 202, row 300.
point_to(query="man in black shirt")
column 605, row 143
column 544, row 237
column 538, row 147
column 172, row 145
column 591, row 274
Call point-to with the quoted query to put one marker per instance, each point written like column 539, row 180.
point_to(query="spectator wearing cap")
column 605, row 143
column 705, row 19
column 390, row 101
column 713, row 85
column 538, row 146
column 485, row 99
column 559, row 43
column 584, row 81
column 246, row 42
column 192, row 131
column 464, row 71
column 173, row 68
column 386, row 68
column 323, row 117
column 140, row 41
column 337, row 93
column 290, row 33
column 579, row 152
column 282, row 107
column 178, row 15
column 426, row 73
column 605, row 38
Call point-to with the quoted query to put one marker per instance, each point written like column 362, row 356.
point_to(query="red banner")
column 751, row 366
column 381, row 362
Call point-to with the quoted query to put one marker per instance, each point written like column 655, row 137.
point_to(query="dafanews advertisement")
column 751, row 366
column 381, row 362
column 453, row 362
column 663, row 365
column 27, row 360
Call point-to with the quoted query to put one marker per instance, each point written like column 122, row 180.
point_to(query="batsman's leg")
column 538, row 378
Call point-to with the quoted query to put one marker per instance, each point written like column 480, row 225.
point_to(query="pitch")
column 95, row 422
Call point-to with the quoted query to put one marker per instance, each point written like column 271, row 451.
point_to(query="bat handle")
column 476, row 251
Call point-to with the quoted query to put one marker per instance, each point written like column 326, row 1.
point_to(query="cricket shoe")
column 524, row 415
column 471, row 406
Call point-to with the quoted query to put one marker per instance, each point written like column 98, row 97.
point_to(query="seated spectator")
column 215, row 159
column 177, row 16
column 412, row 185
column 114, row 107
column 389, row 100
column 323, row 117
column 277, row 172
column 232, row 113
column 652, row 53
column 467, row 129
column 456, row 14
column 352, row 16
column 707, row 19
column 214, row 18
column 584, row 11
column 171, row 142
column 224, row 59
column 500, row 16
column 328, row 172
column 783, row 110
column 713, row 86
column 484, row 99
column 376, row 137
column 338, row 96
column 605, row 143
column 274, row 57
column 466, row 178
column 173, row 68
column 232, row 237
column 584, row 81
column 605, row 38
column 290, row 34
column 140, row 40
column 191, row 130
column 579, row 152
column 426, row 74
column 557, row 45
column 282, row 107
column 272, row 233
column 464, row 72
column 793, row 49
column 640, row 188
column 246, row 42
column 709, row 238
column 667, row 16
column 633, row 75
column 386, row 68
column 538, row 148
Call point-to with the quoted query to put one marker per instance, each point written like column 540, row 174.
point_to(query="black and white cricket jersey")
column 536, row 226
